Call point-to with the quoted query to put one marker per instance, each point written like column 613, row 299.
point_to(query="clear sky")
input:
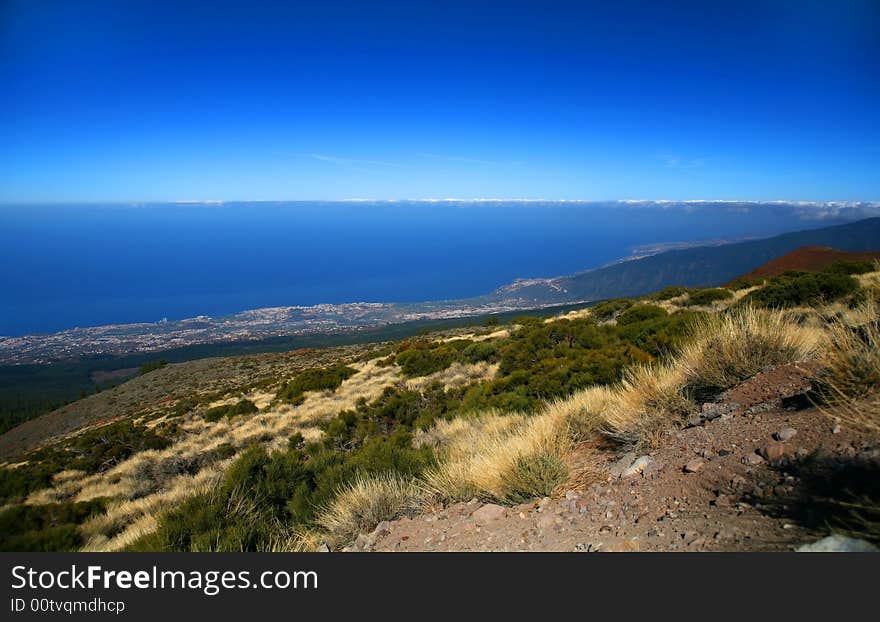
column 154, row 100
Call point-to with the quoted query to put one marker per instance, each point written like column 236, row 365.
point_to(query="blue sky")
column 153, row 101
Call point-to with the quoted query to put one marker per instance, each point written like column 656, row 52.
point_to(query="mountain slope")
column 810, row 258
column 693, row 267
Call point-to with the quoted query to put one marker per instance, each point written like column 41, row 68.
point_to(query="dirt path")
column 742, row 476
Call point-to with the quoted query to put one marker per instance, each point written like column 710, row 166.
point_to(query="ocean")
column 87, row 265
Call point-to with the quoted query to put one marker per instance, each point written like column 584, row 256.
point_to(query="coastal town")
column 251, row 325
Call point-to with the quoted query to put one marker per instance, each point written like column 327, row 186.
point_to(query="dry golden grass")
column 851, row 369
column 364, row 503
column 454, row 376
column 126, row 521
column 510, row 458
column 647, row 401
column 724, row 350
column 729, row 348
column 513, row 457
column 152, row 481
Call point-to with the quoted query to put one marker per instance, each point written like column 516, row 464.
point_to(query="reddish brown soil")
column 810, row 258
column 710, row 489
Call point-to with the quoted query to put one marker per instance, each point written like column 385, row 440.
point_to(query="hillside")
column 707, row 487
column 633, row 423
column 693, row 267
column 811, row 259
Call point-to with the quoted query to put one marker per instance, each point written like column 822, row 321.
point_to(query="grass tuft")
column 364, row 503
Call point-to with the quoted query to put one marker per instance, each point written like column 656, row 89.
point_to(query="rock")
column 836, row 429
column 719, row 410
column 639, row 466
column 785, row 434
column 722, row 501
column 838, row 544
column 773, row 451
column 652, row 469
column 323, row 548
column 364, row 542
column 624, row 546
column 381, row 529
column 488, row 513
column 693, row 465
column 572, row 494
column 753, row 459
column 621, row 465
column 547, row 522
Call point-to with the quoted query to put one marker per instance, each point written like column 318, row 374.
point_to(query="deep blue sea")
column 87, row 265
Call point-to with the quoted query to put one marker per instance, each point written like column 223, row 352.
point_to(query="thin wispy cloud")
column 672, row 160
column 353, row 161
column 466, row 160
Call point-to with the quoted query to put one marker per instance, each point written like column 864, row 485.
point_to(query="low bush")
column 744, row 283
column 610, row 309
column 242, row 407
column 793, row 289
column 705, row 297
column 92, row 451
column 416, row 362
column 667, row 293
column 265, row 499
column 49, row 527
column 850, row 266
column 321, row 379
column 640, row 313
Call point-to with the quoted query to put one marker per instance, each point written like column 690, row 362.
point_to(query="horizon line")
column 134, row 203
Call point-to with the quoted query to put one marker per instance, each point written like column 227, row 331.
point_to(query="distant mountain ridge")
column 809, row 258
column 704, row 266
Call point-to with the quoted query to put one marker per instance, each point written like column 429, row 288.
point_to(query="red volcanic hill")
column 809, row 258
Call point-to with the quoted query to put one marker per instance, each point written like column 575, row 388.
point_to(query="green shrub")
column 704, row 297
column 49, row 527
column 743, row 283
column 377, row 354
column 264, row 497
column 321, row 379
column 667, row 293
column 424, row 361
column 610, row 309
column 793, row 289
column 480, row 351
column 640, row 313
column 660, row 336
column 92, row 451
column 850, row 266
column 242, row 407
